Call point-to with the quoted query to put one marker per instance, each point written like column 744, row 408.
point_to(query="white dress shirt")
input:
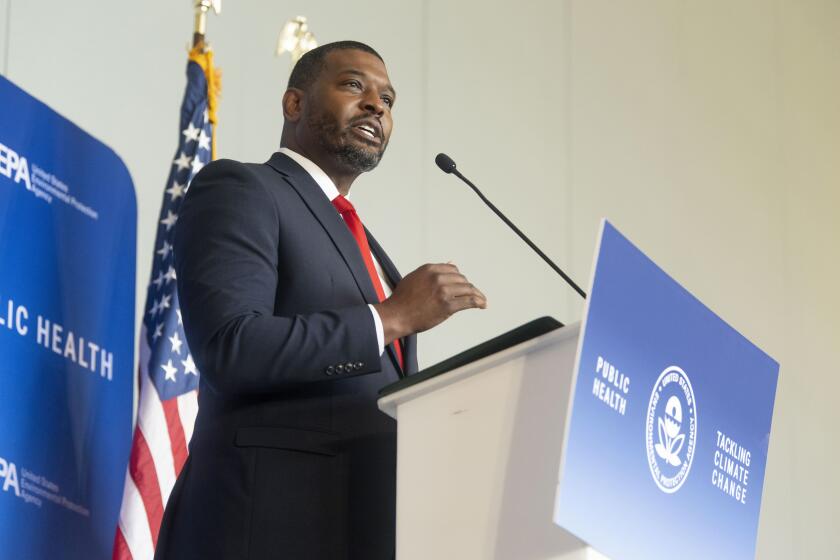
column 331, row 192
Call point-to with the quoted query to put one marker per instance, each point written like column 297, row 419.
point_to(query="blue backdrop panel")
column 670, row 421
column 67, row 258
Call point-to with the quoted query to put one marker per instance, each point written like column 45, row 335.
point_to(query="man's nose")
column 373, row 103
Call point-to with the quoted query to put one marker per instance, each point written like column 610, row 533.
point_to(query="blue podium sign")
column 669, row 425
column 67, row 282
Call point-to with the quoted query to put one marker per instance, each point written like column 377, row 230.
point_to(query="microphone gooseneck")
column 447, row 165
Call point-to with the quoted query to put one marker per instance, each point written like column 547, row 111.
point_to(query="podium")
column 477, row 448
column 641, row 432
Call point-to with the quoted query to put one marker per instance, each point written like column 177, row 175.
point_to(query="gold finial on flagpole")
column 202, row 54
column 296, row 39
column 201, row 9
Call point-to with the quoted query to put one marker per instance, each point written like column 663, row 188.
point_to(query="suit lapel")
column 391, row 272
column 393, row 276
column 330, row 220
column 333, row 223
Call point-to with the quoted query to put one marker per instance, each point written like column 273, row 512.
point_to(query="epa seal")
column 671, row 431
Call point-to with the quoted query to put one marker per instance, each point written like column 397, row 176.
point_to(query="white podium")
column 479, row 448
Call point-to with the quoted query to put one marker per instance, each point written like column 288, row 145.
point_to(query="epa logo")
column 8, row 474
column 14, row 166
column 671, row 430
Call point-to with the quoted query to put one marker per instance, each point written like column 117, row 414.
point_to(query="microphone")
column 448, row 166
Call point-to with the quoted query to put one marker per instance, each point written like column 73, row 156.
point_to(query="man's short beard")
column 349, row 155
column 356, row 158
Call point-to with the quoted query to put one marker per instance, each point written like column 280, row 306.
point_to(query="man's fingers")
column 463, row 296
column 481, row 296
column 446, row 280
column 473, row 301
column 456, row 289
column 470, row 290
column 459, row 293
column 441, row 268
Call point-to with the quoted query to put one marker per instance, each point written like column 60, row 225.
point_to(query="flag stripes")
column 177, row 443
column 153, row 463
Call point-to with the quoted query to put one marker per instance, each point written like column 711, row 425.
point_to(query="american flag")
column 168, row 377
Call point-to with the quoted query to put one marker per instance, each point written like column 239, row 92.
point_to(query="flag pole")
column 200, row 27
column 167, row 373
column 202, row 54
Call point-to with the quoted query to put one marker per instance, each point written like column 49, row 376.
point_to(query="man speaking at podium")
column 296, row 317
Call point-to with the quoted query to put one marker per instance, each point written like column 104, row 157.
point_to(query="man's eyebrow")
column 354, row 72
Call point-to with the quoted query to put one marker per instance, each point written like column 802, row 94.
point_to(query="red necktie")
column 357, row 229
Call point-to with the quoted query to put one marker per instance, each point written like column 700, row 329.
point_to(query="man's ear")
column 293, row 101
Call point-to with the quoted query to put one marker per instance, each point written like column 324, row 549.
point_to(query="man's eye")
column 354, row 84
column 388, row 101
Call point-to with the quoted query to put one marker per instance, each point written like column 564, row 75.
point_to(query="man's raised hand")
column 425, row 298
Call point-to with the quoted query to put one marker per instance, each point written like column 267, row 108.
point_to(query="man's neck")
column 339, row 177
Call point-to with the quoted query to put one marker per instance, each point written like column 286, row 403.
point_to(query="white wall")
column 709, row 132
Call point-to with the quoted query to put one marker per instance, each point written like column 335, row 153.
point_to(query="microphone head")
column 445, row 163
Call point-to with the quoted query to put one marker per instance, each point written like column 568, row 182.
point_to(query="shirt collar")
column 317, row 174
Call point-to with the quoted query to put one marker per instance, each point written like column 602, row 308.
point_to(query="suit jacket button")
column 330, row 370
column 359, row 365
column 339, row 368
column 348, row 367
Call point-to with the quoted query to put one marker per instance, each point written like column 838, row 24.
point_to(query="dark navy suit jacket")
column 290, row 457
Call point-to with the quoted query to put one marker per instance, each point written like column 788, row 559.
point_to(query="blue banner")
column 67, row 283
column 669, row 426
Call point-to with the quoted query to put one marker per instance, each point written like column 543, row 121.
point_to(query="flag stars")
column 158, row 332
column 183, row 161
column 155, row 308
column 165, row 249
column 159, row 280
column 191, row 133
column 204, row 140
column 197, row 165
column 180, row 319
column 176, row 190
column 189, row 366
column 169, row 370
column 176, row 342
column 164, row 303
column 170, row 275
column 169, row 220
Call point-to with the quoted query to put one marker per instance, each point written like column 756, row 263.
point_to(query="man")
column 287, row 311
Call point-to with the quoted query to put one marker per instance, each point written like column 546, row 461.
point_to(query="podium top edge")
column 520, row 334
